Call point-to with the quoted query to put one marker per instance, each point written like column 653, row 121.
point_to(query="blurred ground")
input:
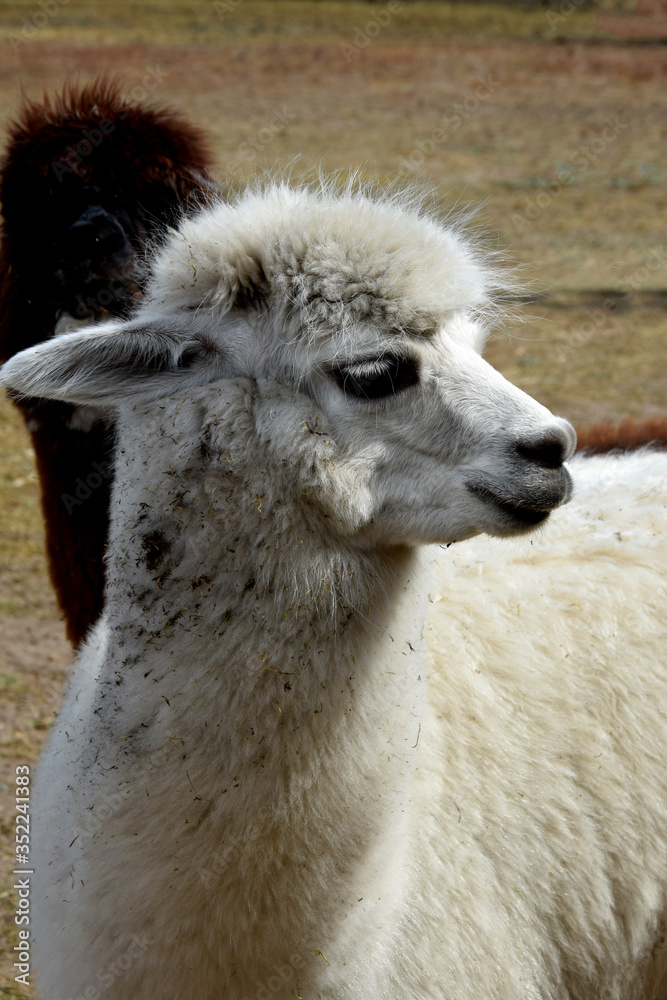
column 554, row 128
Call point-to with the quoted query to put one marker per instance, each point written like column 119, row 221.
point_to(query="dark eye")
column 384, row 376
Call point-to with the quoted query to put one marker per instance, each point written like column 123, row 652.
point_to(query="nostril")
column 549, row 451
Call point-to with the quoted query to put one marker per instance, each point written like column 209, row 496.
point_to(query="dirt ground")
column 556, row 130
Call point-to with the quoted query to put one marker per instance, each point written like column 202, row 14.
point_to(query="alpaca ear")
column 106, row 365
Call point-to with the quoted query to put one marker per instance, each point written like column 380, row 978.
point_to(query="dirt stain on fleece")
column 156, row 548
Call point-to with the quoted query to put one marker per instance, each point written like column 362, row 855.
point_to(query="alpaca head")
column 358, row 322
column 95, row 175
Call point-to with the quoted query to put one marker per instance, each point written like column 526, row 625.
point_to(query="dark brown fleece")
column 87, row 179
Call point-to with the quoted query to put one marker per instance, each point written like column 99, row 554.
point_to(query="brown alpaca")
column 605, row 436
column 87, row 180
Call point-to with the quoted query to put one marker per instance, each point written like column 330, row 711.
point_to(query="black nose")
column 548, row 450
column 95, row 233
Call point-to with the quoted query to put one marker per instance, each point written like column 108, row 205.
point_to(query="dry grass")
column 207, row 23
column 588, row 364
column 600, row 226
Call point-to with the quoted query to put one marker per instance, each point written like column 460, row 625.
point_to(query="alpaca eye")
column 385, row 376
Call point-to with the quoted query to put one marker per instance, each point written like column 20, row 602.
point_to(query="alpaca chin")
column 518, row 508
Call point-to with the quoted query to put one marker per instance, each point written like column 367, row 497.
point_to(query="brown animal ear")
column 113, row 363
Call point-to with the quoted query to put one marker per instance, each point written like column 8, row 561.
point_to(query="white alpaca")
column 271, row 777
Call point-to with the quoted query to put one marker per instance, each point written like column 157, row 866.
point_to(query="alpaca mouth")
column 519, row 512
column 534, row 507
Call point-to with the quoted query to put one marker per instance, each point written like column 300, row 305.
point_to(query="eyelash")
column 377, row 379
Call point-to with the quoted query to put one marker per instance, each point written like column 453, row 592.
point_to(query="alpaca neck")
column 294, row 716
column 271, row 663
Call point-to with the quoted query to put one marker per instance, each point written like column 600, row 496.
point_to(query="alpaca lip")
column 518, row 512
column 528, row 511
